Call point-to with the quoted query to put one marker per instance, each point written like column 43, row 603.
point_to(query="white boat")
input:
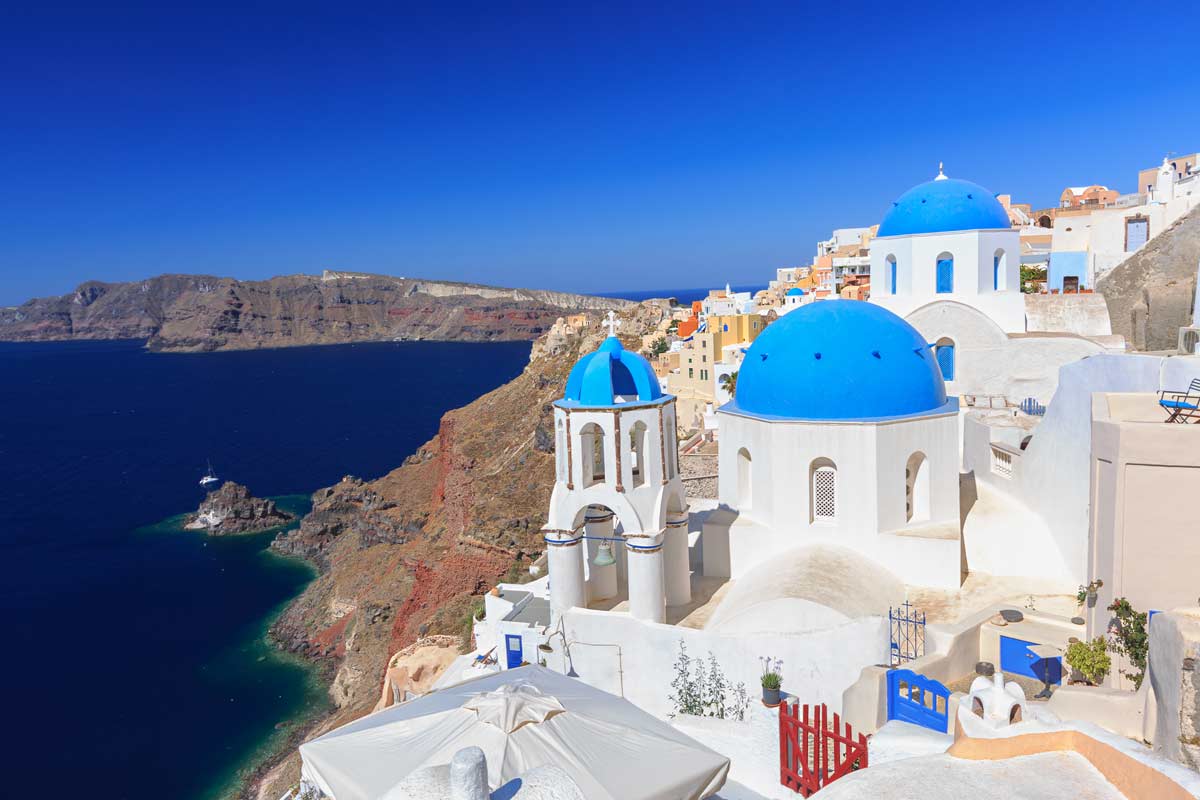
column 210, row 477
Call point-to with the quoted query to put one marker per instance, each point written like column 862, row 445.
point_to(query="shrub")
column 1090, row 658
column 771, row 680
column 1129, row 638
column 702, row 690
column 659, row 346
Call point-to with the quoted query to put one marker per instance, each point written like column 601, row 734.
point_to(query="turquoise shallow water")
column 134, row 651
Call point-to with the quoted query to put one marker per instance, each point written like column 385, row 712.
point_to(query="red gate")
column 811, row 754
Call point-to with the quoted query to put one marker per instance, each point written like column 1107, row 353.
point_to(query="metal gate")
column 811, row 753
column 918, row 700
column 908, row 633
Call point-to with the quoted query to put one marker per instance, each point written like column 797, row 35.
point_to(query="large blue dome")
column 609, row 377
column 839, row 360
column 944, row 204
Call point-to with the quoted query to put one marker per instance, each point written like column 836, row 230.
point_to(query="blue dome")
column 797, row 292
column 839, row 360
column 944, row 204
column 598, row 379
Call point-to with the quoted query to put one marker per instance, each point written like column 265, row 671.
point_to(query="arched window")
column 591, row 449
column 891, row 273
column 998, row 267
column 916, row 488
column 823, row 499
column 945, row 273
column 744, row 486
column 637, row 452
column 560, row 452
column 944, row 350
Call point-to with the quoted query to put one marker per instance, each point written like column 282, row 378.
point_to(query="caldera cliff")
column 410, row 554
column 205, row 312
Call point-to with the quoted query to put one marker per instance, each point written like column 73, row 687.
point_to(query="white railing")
column 1003, row 460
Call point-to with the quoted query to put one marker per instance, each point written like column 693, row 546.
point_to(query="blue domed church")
column 841, row 433
column 949, row 240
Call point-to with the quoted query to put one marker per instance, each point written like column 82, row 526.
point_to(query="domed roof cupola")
column 839, row 360
column 944, row 204
column 611, row 377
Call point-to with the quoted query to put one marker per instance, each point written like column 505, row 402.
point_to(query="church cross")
column 612, row 324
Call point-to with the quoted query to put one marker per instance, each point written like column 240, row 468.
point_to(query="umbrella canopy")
column 521, row 718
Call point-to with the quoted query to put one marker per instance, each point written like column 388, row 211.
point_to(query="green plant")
column 1030, row 278
column 703, row 690
column 1090, row 659
column 659, row 346
column 729, row 382
column 771, row 680
column 673, row 326
column 1129, row 638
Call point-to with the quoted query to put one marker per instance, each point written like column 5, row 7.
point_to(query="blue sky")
column 579, row 148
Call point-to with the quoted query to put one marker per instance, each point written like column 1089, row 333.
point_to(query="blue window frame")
column 945, row 275
column 892, row 274
column 995, row 273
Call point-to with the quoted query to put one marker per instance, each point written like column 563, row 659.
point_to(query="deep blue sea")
column 684, row 296
column 134, row 663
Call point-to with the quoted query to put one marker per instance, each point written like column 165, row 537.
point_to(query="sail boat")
column 210, row 477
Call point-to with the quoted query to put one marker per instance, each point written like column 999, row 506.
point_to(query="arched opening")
column 998, row 269
column 745, row 488
column 891, row 273
column 944, row 351
column 1044, row 221
column 591, row 449
column 560, row 452
column 945, row 273
column 916, row 488
column 637, row 453
column 1026, row 440
column 822, row 483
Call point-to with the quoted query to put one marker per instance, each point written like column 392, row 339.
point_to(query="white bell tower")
column 618, row 514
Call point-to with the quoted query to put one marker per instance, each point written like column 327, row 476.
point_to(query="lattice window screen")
column 825, row 493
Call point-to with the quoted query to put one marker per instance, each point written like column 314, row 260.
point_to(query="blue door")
column 512, row 650
column 945, row 359
column 1016, row 659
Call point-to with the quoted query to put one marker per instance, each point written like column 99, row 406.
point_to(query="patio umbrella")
column 522, row 718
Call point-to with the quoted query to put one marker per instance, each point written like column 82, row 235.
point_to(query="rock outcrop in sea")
column 232, row 509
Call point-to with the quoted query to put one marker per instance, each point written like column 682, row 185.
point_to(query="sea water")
column 135, row 662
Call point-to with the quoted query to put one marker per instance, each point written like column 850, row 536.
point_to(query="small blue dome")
column 944, row 204
column 598, row 379
column 839, row 360
column 797, row 292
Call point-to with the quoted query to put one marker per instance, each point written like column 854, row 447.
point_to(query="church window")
column 823, row 490
column 997, row 269
column 944, row 351
column 916, row 488
column 945, row 273
column 891, row 267
column 592, row 451
column 637, row 450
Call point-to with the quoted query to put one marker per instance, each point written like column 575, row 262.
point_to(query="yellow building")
column 694, row 384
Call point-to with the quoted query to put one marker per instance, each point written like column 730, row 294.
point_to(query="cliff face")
column 409, row 554
column 201, row 312
column 1150, row 294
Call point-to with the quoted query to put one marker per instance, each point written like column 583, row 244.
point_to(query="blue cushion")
column 1177, row 404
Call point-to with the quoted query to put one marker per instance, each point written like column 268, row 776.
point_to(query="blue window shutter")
column 892, row 268
column 945, row 275
column 995, row 273
column 945, row 359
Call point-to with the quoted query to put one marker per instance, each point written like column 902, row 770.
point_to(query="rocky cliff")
column 203, row 312
column 232, row 509
column 1150, row 294
column 411, row 554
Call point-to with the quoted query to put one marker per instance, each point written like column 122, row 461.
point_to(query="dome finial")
column 941, row 176
column 612, row 324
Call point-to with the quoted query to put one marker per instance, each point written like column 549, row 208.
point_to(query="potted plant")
column 1087, row 594
column 771, row 683
column 1089, row 659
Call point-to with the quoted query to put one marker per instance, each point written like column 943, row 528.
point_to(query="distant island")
column 190, row 313
column 232, row 509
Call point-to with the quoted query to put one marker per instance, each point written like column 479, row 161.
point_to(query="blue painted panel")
column 512, row 651
column 1016, row 659
column 945, row 359
column 917, row 700
column 1067, row 264
column 892, row 271
column 995, row 273
column 945, row 275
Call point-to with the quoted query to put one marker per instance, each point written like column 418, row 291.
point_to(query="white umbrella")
column 521, row 718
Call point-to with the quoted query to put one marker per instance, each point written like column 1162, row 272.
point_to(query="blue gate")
column 1016, row 659
column 512, row 651
column 908, row 633
column 919, row 700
